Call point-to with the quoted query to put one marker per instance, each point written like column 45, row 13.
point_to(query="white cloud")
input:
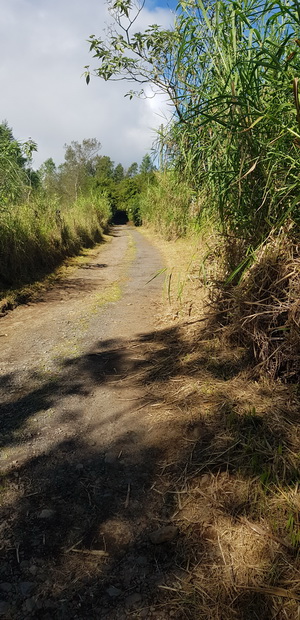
column 43, row 51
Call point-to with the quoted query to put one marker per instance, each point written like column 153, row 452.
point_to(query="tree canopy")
column 16, row 176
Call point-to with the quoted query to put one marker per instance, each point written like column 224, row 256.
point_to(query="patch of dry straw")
column 262, row 312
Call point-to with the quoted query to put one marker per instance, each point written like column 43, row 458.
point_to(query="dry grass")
column 10, row 299
column 234, row 474
column 36, row 237
column 226, row 475
column 262, row 312
column 189, row 264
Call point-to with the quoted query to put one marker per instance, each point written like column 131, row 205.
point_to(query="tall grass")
column 235, row 148
column 35, row 236
column 167, row 204
column 238, row 136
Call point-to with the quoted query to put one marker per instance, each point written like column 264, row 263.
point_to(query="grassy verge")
column 10, row 298
column 167, row 206
column 191, row 267
column 233, row 476
column 36, row 238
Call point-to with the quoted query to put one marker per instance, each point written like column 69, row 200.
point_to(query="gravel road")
column 78, row 455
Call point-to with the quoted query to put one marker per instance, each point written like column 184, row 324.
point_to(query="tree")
column 139, row 57
column 118, row 173
column 16, row 175
column 132, row 170
column 104, row 167
column 146, row 165
column 11, row 147
column 80, row 164
column 49, row 176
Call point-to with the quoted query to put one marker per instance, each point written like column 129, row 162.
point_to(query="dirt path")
column 77, row 452
column 144, row 473
column 58, row 355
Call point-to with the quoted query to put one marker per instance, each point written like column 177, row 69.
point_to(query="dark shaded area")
column 104, row 497
column 65, row 287
column 120, row 217
column 37, row 260
column 261, row 312
column 38, row 264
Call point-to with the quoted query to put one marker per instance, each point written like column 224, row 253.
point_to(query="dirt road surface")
column 79, row 448
column 133, row 450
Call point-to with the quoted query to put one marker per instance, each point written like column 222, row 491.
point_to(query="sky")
column 43, row 93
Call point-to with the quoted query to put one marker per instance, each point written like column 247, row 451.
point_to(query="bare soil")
column 144, row 475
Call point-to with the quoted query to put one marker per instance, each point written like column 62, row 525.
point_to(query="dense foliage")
column 51, row 213
column 231, row 71
column 230, row 155
column 16, row 175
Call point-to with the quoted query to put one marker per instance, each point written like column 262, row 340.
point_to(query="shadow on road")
column 78, row 519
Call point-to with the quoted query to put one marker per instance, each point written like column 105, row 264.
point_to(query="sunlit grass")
column 36, row 236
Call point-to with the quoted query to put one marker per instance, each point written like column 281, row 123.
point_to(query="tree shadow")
column 78, row 517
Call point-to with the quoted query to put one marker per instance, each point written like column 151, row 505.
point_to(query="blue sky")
column 43, row 51
column 165, row 4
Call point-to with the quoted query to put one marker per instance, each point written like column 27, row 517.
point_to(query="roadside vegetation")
column 226, row 201
column 49, row 214
column 224, row 364
column 229, row 157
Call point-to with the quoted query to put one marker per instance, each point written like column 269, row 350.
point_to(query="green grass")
column 36, row 236
column 166, row 205
column 234, row 143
